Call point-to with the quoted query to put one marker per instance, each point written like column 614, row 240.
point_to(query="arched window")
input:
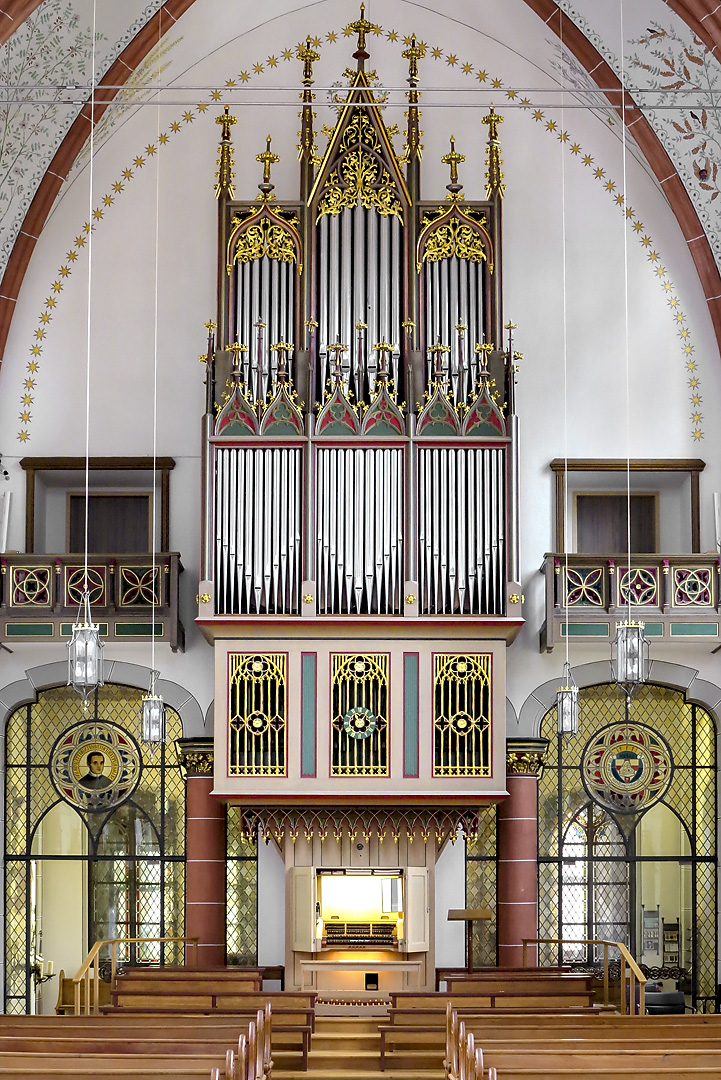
column 93, row 848
column 627, row 835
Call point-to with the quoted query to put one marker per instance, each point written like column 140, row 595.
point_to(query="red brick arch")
column 116, row 76
column 701, row 15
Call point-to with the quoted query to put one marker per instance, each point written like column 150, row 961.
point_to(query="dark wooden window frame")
column 33, row 465
column 693, row 466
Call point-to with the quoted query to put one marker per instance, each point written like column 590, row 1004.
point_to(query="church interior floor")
column 348, row 1048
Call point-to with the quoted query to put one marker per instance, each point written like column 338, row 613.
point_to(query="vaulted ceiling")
column 654, row 62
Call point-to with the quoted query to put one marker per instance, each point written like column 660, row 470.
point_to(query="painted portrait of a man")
column 94, row 778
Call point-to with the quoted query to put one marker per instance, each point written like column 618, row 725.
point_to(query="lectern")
column 469, row 916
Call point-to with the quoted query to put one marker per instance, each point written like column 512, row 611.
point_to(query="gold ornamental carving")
column 196, row 756
column 454, row 238
column 265, row 238
column 360, row 174
column 199, row 761
column 525, row 757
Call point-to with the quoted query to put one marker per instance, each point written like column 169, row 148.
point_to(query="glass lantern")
column 630, row 656
column 567, row 704
column 85, row 653
column 153, row 716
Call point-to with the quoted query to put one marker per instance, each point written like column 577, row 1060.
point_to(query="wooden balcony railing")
column 40, row 596
column 676, row 596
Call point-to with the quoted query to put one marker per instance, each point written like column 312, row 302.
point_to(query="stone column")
column 204, row 855
column 517, row 893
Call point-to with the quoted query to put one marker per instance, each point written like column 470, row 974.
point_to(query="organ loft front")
column 359, row 564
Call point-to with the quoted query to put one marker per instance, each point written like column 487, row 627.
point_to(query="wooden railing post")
column 606, row 1000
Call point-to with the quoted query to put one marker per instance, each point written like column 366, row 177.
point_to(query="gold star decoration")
column 467, row 68
column 30, row 384
column 452, row 59
column 331, row 36
column 638, row 226
column 575, row 148
column 71, row 255
column 696, row 418
column 436, row 53
column 272, row 61
column 551, row 125
column 23, row 436
column 139, row 161
column 174, row 127
column 610, row 185
column 511, row 95
column 244, row 76
column 599, row 173
column 619, row 199
column 230, row 83
column 108, row 200
column 482, row 76
column 696, row 399
column 57, row 286
column 36, row 350
column 97, row 213
column 151, row 148
column 86, row 227
column 27, row 399
column 497, row 84
column 162, row 139
column 50, row 302
column 537, row 114
column 33, row 366
column 202, row 106
column 45, row 317
column 587, row 160
column 24, row 417
column 215, row 95
column 629, row 212
column 287, row 54
column 698, row 434
column 258, row 69
column 65, row 271
column 80, row 241
column 188, row 117
column 563, row 136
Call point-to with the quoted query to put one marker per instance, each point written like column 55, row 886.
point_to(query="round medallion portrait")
column 627, row 767
column 95, row 765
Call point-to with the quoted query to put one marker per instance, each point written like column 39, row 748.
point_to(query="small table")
column 469, row 916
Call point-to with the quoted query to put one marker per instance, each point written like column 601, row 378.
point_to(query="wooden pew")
column 636, row 1049
column 66, row 994
column 443, row 974
column 218, row 1000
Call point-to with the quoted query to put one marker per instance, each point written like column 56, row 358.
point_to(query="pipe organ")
column 359, row 577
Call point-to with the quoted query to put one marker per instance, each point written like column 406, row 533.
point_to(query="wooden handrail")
column 90, row 967
column 628, row 967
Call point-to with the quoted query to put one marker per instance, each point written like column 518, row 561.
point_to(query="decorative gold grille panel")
column 359, row 728
column 256, row 714
column 462, row 714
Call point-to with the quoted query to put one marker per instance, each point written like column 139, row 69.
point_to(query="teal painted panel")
column 308, row 690
column 138, row 629
column 653, row 629
column 410, row 714
column 694, row 629
column 583, row 629
column 28, row 629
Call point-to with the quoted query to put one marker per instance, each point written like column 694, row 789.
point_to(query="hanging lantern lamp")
column 567, row 703
column 85, row 652
column 630, row 661
column 153, row 715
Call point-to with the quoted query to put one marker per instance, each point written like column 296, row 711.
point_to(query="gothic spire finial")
column 361, row 27
column 453, row 158
column 308, row 55
column 413, row 54
column 494, row 173
column 267, row 158
column 225, row 174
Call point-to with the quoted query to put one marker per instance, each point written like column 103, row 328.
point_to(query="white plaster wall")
column 271, row 905
column 451, row 893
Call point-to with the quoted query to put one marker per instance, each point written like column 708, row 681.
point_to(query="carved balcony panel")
column 40, row 596
column 676, row 596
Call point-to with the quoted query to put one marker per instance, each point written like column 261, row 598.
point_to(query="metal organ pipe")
column 258, row 538
column 461, row 522
column 359, row 541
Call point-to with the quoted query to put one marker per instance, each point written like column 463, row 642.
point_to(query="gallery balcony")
column 40, row 596
column 676, row 596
